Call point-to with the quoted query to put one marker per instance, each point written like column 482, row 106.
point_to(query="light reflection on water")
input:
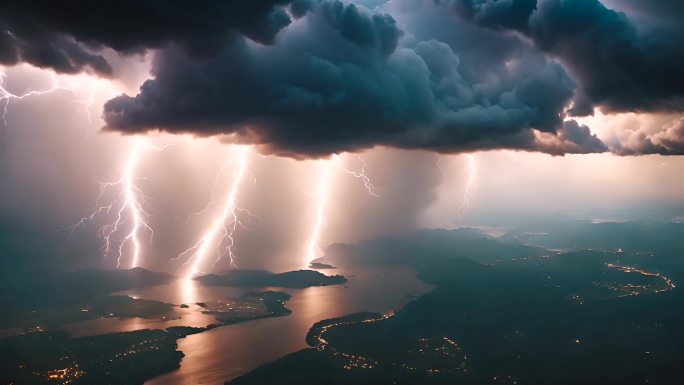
column 221, row 354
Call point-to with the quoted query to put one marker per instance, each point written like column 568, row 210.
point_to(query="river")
column 221, row 354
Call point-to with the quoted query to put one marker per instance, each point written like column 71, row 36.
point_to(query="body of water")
column 221, row 354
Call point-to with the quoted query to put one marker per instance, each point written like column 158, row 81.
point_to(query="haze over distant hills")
column 435, row 243
column 529, row 316
column 58, row 288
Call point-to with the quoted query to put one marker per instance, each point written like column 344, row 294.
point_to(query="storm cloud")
column 618, row 65
column 342, row 79
column 65, row 36
column 308, row 78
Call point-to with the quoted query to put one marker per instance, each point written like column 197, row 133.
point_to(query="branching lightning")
column 128, row 207
column 222, row 229
column 313, row 248
column 130, row 217
column 132, row 203
column 7, row 96
column 357, row 174
column 88, row 103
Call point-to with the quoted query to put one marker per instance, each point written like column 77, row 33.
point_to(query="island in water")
column 54, row 299
column 249, row 306
column 261, row 278
column 38, row 353
column 320, row 266
column 505, row 313
column 116, row 306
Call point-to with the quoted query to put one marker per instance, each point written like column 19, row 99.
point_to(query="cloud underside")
column 309, row 78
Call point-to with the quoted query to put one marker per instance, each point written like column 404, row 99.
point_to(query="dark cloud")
column 40, row 48
column 571, row 138
column 653, row 13
column 581, row 136
column 497, row 13
column 312, row 77
column 339, row 80
column 62, row 35
column 617, row 65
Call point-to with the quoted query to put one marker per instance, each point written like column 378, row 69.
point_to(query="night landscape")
column 342, row 192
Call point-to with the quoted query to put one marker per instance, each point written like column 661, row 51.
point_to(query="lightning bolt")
column 470, row 166
column 313, row 250
column 357, row 174
column 7, row 96
column 88, row 103
column 130, row 206
column 130, row 217
column 212, row 199
column 224, row 225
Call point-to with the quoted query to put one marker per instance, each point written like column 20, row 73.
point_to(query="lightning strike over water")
column 470, row 165
column 223, row 227
column 313, row 249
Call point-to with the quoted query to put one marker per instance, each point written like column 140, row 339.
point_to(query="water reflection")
column 220, row 354
column 181, row 291
column 188, row 291
column 187, row 317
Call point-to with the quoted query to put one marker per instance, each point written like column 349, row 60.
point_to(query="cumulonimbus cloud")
column 313, row 77
column 342, row 79
column 618, row 65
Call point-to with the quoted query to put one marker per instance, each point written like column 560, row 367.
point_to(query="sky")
column 333, row 121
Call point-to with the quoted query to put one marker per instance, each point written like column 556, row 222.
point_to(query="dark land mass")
column 250, row 306
column 57, row 298
column 635, row 236
column 314, row 337
column 545, row 318
column 320, row 266
column 654, row 246
column 403, row 250
column 54, row 357
column 260, row 278
column 108, row 306
column 70, row 288
column 117, row 358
